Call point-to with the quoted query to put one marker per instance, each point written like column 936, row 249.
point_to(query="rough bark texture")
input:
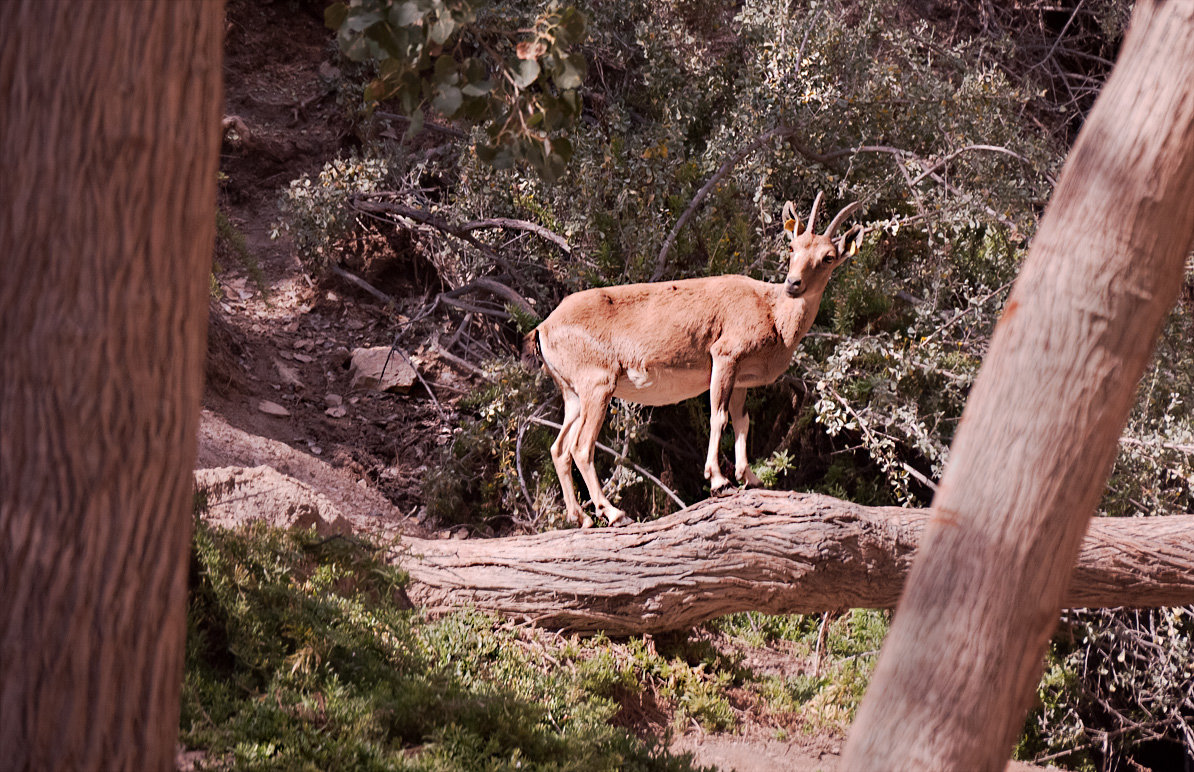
column 756, row 551
column 1039, row 433
column 109, row 132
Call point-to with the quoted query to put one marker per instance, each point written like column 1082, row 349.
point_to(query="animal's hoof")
column 587, row 522
column 618, row 520
column 725, row 489
column 751, row 481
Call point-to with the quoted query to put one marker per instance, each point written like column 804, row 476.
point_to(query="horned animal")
column 663, row 342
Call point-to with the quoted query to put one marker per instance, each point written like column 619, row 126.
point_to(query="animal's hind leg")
column 721, row 386
column 561, row 456
column 593, row 407
column 741, row 425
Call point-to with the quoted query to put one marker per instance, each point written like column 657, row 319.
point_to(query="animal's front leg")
column 721, row 387
column 741, row 425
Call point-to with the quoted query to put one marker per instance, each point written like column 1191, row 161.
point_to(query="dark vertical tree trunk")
column 1039, row 433
column 109, row 136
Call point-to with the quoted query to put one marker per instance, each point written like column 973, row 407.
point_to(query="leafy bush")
column 676, row 97
column 1116, row 679
column 316, row 213
column 456, row 58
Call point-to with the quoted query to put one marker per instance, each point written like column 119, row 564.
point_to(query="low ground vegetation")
column 303, row 652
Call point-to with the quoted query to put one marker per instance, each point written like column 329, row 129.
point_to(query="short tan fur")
column 664, row 342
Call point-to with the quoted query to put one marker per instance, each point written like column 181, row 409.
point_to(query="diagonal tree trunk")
column 1039, row 433
column 109, row 132
column 755, row 551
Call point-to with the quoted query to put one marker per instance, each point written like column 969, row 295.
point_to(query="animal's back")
column 657, row 316
column 656, row 338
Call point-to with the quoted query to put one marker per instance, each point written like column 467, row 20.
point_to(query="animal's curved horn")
column 812, row 216
column 841, row 218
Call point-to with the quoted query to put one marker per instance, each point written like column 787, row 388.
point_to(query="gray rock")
column 366, row 372
column 238, row 495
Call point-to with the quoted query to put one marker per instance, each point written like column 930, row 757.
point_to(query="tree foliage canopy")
column 460, row 59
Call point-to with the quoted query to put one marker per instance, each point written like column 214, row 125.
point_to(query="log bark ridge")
column 766, row 551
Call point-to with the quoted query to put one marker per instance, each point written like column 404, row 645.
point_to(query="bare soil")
column 288, row 341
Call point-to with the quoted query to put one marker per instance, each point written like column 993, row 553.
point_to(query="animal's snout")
column 794, row 286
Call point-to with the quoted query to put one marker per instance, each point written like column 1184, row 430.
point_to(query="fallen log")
column 766, row 551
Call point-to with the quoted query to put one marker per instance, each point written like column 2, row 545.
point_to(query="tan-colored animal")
column 664, row 342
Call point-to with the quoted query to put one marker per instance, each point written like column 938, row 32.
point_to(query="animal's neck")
column 794, row 316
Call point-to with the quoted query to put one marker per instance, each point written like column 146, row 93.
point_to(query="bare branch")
column 495, row 287
column 428, row 126
column 944, row 160
column 365, row 205
column 357, row 281
column 521, row 225
column 622, row 458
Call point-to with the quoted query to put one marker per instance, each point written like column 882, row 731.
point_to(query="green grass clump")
column 825, row 700
column 303, row 654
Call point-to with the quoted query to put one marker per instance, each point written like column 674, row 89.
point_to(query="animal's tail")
column 532, row 357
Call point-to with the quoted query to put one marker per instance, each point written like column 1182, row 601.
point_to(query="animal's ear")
column 791, row 223
column 850, row 242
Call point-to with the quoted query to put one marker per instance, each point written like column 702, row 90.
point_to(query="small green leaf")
column 359, row 22
column 474, row 109
column 355, row 48
column 554, row 167
column 334, row 15
column 531, row 150
column 442, row 29
column 448, row 100
column 445, row 69
column 407, row 14
column 572, row 25
column 477, row 89
column 526, row 73
column 374, row 91
column 553, row 117
column 383, row 35
column 572, row 72
column 390, row 69
column 474, row 69
column 416, row 124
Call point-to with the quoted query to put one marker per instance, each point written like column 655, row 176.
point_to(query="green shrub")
column 316, row 213
column 302, row 654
